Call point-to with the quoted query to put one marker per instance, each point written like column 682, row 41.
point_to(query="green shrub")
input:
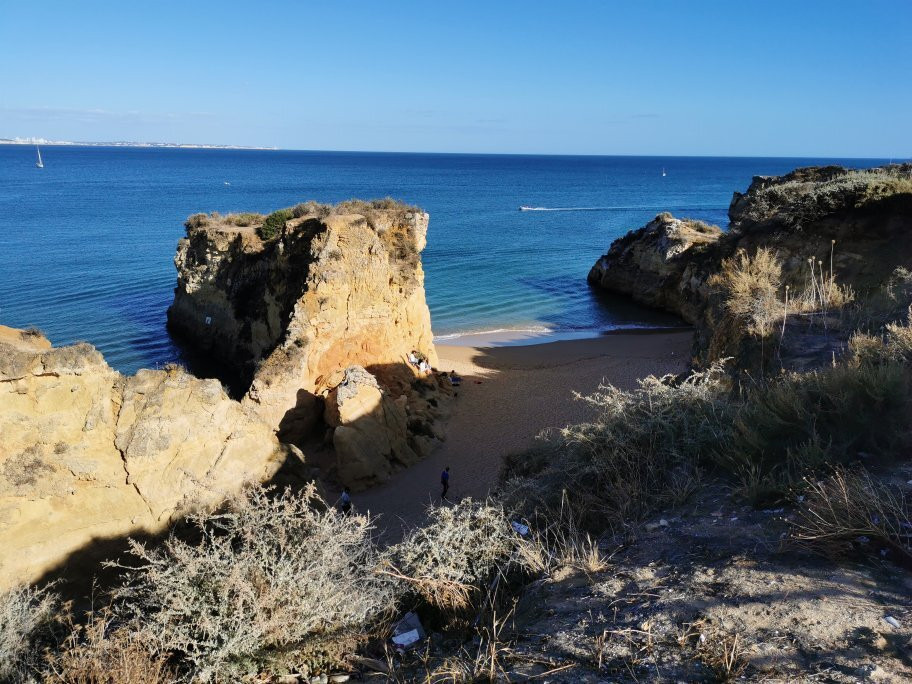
column 274, row 224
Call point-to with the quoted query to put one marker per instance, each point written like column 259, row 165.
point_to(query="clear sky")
column 770, row 77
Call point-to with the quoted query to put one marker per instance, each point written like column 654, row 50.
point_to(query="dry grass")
column 560, row 543
column 27, row 617
column 756, row 301
column 270, row 226
column 488, row 662
column 894, row 345
column 849, row 511
column 750, row 285
column 100, row 653
column 271, row 580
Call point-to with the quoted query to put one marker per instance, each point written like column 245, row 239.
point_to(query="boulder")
column 370, row 429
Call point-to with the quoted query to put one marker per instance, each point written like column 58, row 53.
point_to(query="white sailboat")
column 663, row 172
column 39, row 163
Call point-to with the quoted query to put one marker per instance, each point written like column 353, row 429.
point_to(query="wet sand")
column 508, row 396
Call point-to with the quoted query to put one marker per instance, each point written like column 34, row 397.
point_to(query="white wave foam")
column 538, row 330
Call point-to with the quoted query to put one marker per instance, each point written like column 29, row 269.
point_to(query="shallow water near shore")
column 89, row 241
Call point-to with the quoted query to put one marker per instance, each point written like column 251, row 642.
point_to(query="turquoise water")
column 88, row 241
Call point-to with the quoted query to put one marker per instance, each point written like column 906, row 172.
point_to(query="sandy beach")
column 508, row 396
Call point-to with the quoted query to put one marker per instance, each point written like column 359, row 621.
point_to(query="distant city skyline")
column 808, row 79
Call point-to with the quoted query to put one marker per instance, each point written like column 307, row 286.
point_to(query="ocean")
column 88, row 241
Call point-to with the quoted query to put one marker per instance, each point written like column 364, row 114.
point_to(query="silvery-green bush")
column 272, row 579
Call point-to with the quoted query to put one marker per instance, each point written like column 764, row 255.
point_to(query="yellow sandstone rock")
column 88, row 454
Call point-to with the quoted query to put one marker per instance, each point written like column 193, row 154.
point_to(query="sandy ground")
column 508, row 396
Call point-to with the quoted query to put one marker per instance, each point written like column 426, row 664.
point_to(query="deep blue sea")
column 88, row 242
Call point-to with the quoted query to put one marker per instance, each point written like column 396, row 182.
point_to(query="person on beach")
column 445, row 483
column 345, row 501
column 455, row 379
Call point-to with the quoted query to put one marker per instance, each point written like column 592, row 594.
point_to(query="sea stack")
column 289, row 302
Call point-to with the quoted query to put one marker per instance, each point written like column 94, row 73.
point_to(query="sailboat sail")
column 39, row 163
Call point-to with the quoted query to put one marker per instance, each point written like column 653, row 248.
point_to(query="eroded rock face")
column 87, row 453
column 291, row 314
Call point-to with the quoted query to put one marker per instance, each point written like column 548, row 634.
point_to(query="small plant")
column 274, row 224
column 27, row 616
column 311, row 208
column 197, row 221
column 244, row 219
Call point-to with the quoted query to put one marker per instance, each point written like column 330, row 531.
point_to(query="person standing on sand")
column 445, row 483
column 345, row 501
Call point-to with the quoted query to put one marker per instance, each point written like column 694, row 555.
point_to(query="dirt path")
column 508, row 396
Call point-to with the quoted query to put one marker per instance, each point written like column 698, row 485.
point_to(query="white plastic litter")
column 520, row 529
column 892, row 621
column 408, row 630
column 407, row 638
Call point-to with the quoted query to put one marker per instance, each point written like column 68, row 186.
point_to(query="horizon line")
column 255, row 148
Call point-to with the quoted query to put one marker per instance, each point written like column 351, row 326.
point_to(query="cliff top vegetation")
column 269, row 226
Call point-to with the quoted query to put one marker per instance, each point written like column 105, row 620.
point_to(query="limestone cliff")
column 88, row 454
column 861, row 220
column 336, row 287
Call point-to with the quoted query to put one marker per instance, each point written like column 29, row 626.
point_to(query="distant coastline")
column 127, row 143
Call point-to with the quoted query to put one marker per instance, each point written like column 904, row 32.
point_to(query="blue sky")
column 797, row 78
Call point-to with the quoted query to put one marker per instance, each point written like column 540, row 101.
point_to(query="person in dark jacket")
column 445, row 483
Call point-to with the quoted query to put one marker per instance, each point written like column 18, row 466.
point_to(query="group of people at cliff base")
column 345, row 500
column 420, row 362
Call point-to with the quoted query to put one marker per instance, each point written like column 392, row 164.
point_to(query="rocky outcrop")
column 336, row 287
column 655, row 265
column 88, row 454
column 859, row 220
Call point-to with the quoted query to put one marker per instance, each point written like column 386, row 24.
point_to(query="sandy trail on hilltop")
column 508, row 396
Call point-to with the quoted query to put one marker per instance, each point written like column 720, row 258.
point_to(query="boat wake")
column 524, row 208
column 629, row 208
